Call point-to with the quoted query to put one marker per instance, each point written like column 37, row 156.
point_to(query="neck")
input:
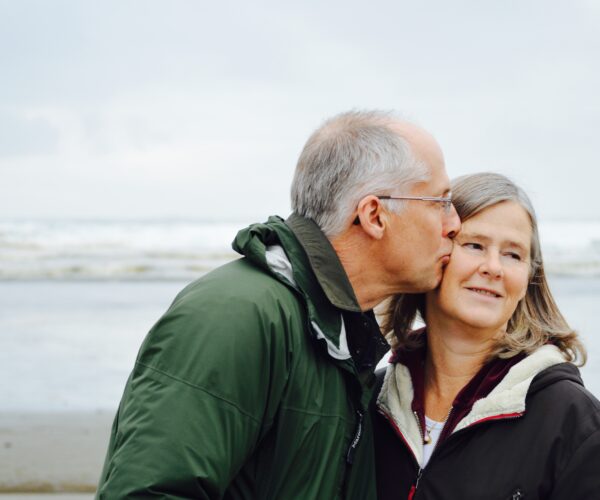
column 453, row 359
column 362, row 273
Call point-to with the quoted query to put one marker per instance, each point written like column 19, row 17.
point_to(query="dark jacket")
column 246, row 387
column 536, row 435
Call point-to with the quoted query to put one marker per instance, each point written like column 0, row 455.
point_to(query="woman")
column 485, row 401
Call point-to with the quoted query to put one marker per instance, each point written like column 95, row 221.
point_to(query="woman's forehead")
column 508, row 222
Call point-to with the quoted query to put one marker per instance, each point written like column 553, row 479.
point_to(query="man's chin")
column 437, row 281
column 437, row 284
column 432, row 284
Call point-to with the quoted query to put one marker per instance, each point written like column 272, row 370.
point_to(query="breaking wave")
column 183, row 250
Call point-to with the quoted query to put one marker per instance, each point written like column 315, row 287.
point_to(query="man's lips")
column 485, row 292
column 445, row 258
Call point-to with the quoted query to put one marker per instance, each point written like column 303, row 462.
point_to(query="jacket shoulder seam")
column 313, row 413
column 200, row 388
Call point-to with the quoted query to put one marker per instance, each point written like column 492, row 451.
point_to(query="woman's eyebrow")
column 486, row 239
column 518, row 245
column 473, row 236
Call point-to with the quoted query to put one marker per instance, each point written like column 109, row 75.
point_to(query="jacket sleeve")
column 580, row 479
column 204, row 391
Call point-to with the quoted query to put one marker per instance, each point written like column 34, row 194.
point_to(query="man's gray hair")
column 350, row 156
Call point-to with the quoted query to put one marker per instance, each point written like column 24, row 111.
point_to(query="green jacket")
column 246, row 388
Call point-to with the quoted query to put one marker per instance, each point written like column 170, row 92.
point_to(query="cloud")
column 21, row 134
column 208, row 105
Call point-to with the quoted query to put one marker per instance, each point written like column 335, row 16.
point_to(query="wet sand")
column 46, row 496
column 53, row 452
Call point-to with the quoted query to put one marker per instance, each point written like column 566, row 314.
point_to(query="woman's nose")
column 491, row 265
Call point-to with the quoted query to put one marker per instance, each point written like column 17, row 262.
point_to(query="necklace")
column 429, row 430
column 432, row 427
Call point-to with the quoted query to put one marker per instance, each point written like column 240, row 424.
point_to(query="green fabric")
column 232, row 396
column 324, row 262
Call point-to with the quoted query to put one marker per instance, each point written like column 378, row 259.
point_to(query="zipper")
column 510, row 416
column 400, row 435
column 419, row 426
column 413, row 488
column 420, row 470
column 355, row 439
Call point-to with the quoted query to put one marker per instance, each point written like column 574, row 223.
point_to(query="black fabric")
column 551, row 452
column 366, row 343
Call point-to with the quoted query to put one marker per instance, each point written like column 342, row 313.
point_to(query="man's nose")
column 451, row 225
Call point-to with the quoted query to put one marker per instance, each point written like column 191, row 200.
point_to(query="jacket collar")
column 274, row 247
column 498, row 391
column 324, row 262
column 484, row 381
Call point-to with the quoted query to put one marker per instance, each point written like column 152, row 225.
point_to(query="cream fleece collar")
column 506, row 399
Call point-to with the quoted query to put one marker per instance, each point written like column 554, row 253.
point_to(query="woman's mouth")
column 485, row 292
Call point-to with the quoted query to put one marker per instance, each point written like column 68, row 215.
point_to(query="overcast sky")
column 140, row 109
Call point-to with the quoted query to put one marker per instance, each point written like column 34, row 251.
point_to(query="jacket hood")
column 274, row 247
column 556, row 373
column 252, row 242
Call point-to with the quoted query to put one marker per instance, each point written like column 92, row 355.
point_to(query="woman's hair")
column 536, row 320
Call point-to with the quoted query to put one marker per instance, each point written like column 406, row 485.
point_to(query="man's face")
column 419, row 243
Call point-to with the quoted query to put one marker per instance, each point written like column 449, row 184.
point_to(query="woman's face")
column 488, row 271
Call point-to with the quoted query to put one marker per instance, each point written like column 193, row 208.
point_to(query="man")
column 255, row 382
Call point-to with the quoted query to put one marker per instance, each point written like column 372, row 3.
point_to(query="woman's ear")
column 371, row 217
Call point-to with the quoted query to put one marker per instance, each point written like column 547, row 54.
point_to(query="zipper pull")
column 356, row 439
column 414, row 487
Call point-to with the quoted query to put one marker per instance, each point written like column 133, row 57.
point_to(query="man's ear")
column 371, row 216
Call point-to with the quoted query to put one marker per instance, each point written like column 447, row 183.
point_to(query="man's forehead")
column 438, row 183
column 426, row 149
column 422, row 143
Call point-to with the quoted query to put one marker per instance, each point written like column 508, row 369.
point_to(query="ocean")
column 78, row 297
column 183, row 249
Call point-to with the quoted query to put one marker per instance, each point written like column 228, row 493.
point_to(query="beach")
column 46, row 496
column 67, row 348
column 52, row 452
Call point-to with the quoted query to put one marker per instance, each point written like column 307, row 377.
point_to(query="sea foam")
column 184, row 249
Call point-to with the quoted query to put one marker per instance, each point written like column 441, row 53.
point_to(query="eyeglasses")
column 446, row 201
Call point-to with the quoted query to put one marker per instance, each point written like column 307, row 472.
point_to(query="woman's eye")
column 473, row 246
column 514, row 255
